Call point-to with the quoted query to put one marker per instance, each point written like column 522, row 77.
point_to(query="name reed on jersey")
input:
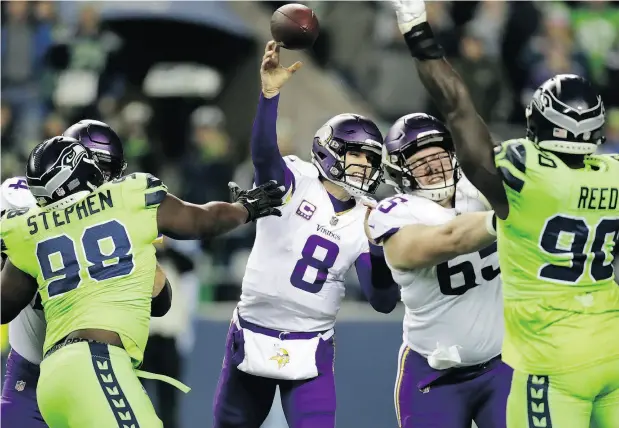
column 598, row 198
column 91, row 205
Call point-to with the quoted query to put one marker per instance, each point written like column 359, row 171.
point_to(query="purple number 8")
column 388, row 204
column 309, row 259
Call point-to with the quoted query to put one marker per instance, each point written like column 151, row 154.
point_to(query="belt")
column 60, row 345
column 456, row 375
column 281, row 335
column 139, row 373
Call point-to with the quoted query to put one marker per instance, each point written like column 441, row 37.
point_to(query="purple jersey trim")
column 388, row 234
column 341, row 206
column 280, row 334
column 265, row 155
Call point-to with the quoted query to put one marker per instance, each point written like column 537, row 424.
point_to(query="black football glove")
column 261, row 201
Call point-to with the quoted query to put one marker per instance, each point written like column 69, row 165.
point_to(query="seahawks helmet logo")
column 73, row 158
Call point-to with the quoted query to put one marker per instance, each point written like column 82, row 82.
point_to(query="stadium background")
column 179, row 81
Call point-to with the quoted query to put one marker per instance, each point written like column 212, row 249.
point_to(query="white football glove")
column 409, row 13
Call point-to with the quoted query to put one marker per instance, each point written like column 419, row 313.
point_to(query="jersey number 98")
column 64, row 274
column 581, row 245
column 311, row 258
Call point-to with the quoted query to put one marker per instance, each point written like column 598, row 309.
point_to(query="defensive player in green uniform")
column 87, row 249
column 558, row 209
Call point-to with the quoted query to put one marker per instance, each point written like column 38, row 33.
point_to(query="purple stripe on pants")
column 18, row 407
column 453, row 398
column 244, row 401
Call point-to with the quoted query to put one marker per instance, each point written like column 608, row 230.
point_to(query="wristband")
column 422, row 44
column 491, row 223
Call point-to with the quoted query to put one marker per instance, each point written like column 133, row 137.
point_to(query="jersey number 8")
column 320, row 264
column 560, row 228
column 64, row 274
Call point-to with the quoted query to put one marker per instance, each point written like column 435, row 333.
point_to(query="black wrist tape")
column 422, row 44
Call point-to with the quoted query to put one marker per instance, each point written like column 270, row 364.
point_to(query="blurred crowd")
column 56, row 71
column 503, row 51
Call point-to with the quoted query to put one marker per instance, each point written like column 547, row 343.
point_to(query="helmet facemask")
column 111, row 167
column 356, row 178
column 432, row 176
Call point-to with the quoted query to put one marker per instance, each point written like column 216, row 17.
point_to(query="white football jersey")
column 456, row 303
column 294, row 280
column 27, row 330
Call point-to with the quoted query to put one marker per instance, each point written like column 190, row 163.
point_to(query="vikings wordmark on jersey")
column 295, row 274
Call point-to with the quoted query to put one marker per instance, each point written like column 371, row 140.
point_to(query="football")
column 294, row 26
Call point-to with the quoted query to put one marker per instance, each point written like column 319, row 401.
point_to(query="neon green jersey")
column 555, row 251
column 94, row 261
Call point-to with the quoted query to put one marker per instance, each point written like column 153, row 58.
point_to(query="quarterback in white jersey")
column 439, row 242
column 282, row 330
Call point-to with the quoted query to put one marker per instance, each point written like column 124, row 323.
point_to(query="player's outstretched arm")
column 420, row 246
column 265, row 155
column 180, row 219
column 472, row 139
column 17, row 289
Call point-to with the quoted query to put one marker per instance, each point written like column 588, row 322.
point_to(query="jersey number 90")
column 60, row 266
column 573, row 237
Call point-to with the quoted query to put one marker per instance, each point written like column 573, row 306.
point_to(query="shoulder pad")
column 152, row 188
column 511, row 161
column 398, row 211
column 301, row 167
column 15, row 194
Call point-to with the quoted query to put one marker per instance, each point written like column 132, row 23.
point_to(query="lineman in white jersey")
column 439, row 242
column 282, row 330
column 26, row 335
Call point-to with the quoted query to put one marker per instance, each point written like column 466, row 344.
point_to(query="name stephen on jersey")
column 598, row 198
column 91, row 205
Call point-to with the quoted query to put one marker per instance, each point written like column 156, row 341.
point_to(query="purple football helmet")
column 101, row 139
column 341, row 135
column 410, row 134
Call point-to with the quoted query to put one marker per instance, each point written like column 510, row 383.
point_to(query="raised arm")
column 265, row 155
column 421, row 246
column 474, row 146
column 177, row 218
